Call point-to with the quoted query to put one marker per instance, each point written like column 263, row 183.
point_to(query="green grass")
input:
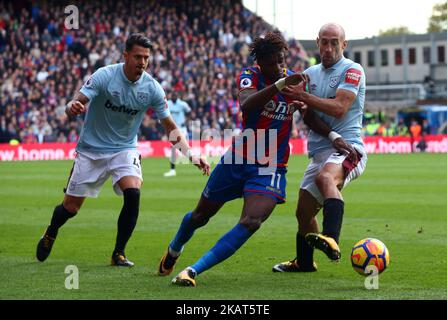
column 400, row 199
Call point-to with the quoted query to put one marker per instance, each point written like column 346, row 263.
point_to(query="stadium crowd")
column 199, row 50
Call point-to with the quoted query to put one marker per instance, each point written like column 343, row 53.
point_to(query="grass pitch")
column 400, row 199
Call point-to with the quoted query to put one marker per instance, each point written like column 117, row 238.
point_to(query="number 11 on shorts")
column 278, row 181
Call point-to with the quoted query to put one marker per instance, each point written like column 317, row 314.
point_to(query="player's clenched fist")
column 74, row 108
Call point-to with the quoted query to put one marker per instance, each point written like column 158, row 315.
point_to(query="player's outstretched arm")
column 316, row 124
column 77, row 105
column 179, row 142
column 336, row 107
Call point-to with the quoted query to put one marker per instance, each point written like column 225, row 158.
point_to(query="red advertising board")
column 60, row 151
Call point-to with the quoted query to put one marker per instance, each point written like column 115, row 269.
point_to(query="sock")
column 173, row 157
column 183, row 234
column 194, row 272
column 128, row 218
column 333, row 217
column 224, row 248
column 60, row 216
column 304, row 252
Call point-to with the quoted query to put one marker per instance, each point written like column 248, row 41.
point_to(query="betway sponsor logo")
column 121, row 108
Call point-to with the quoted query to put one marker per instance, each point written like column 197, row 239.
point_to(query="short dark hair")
column 138, row 39
column 268, row 44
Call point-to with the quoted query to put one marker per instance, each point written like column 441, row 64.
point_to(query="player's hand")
column 299, row 105
column 343, row 147
column 75, row 108
column 202, row 164
column 296, row 78
column 294, row 92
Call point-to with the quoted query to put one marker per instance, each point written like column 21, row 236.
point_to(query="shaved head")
column 331, row 43
column 333, row 28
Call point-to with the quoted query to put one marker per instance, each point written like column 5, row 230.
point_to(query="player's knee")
column 200, row 218
column 203, row 212
column 71, row 208
column 72, row 204
column 252, row 224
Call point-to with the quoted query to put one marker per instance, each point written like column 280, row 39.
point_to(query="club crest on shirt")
column 89, row 82
column 246, row 83
column 333, row 81
column 143, row 97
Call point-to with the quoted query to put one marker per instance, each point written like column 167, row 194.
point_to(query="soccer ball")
column 369, row 252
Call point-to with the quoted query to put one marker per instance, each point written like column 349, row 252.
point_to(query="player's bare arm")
column 251, row 98
column 316, row 124
column 77, row 105
column 336, row 107
column 178, row 141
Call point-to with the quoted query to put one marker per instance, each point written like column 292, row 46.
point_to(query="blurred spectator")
column 402, row 129
column 387, row 130
column 426, row 128
column 371, row 127
column 149, row 130
column 72, row 136
column 61, row 138
column 415, row 129
column 27, row 136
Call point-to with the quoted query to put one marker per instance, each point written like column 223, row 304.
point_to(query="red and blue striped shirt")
column 274, row 118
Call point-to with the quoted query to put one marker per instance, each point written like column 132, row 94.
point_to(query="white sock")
column 192, row 269
column 174, row 253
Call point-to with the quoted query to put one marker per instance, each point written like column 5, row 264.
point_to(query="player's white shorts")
column 330, row 156
column 91, row 170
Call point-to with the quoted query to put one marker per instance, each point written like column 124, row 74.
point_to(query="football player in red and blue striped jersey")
column 254, row 167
